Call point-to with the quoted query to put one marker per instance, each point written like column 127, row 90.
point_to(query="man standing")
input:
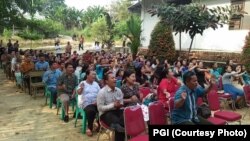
column 57, row 40
column 66, row 85
column 68, row 49
column 42, row 65
column 10, row 47
column 81, row 43
column 185, row 107
column 50, row 79
column 16, row 46
column 2, row 50
column 109, row 103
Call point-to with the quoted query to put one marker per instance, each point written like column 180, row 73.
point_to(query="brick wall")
column 214, row 56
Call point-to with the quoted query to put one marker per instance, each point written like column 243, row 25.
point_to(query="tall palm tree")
column 134, row 28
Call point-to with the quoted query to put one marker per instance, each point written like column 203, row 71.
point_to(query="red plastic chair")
column 144, row 91
column 157, row 114
column 214, row 105
column 247, row 98
column 213, row 120
column 226, row 98
column 134, row 124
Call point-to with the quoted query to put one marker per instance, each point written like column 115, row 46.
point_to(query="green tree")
column 69, row 17
column 119, row 10
column 92, row 14
column 193, row 18
column 48, row 28
column 12, row 11
column 100, row 30
column 245, row 58
column 162, row 43
column 134, row 32
column 121, row 28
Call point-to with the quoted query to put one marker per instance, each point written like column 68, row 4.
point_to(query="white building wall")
column 148, row 22
column 221, row 39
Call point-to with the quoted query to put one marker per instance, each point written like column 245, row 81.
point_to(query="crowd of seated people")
column 94, row 75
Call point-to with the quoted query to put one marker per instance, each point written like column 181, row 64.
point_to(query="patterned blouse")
column 128, row 93
column 69, row 81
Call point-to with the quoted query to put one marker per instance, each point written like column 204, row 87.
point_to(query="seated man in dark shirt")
column 66, row 85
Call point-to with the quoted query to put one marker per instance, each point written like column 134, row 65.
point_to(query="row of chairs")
column 157, row 114
column 220, row 117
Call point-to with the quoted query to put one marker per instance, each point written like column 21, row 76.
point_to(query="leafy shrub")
column 29, row 35
column 162, row 43
column 7, row 33
column 245, row 57
column 48, row 27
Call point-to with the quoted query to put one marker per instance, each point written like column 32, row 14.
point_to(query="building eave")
column 136, row 8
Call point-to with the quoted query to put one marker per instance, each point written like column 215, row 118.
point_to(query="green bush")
column 245, row 58
column 7, row 33
column 87, row 31
column 121, row 29
column 48, row 27
column 162, row 43
column 28, row 35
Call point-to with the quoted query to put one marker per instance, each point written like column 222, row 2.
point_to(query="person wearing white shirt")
column 88, row 91
column 59, row 50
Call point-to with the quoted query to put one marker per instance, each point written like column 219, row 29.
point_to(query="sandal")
column 89, row 132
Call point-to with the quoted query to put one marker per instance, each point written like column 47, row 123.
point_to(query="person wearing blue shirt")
column 245, row 76
column 42, row 65
column 50, row 79
column 215, row 72
column 100, row 68
column 185, row 107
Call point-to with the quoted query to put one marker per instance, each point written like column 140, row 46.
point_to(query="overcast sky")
column 83, row 4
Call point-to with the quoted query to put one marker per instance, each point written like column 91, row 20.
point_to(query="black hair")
column 127, row 73
column 41, row 55
column 51, row 63
column 187, row 76
column 118, row 72
column 163, row 73
column 138, row 71
column 106, row 75
column 68, row 64
column 87, row 73
column 225, row 68
column 105, row 70
column 84, row 67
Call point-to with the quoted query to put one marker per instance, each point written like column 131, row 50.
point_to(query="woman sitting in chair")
column 236, row 93
column 167, row 87
column 88, row 89
column 130, row 89
column 132, row 95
